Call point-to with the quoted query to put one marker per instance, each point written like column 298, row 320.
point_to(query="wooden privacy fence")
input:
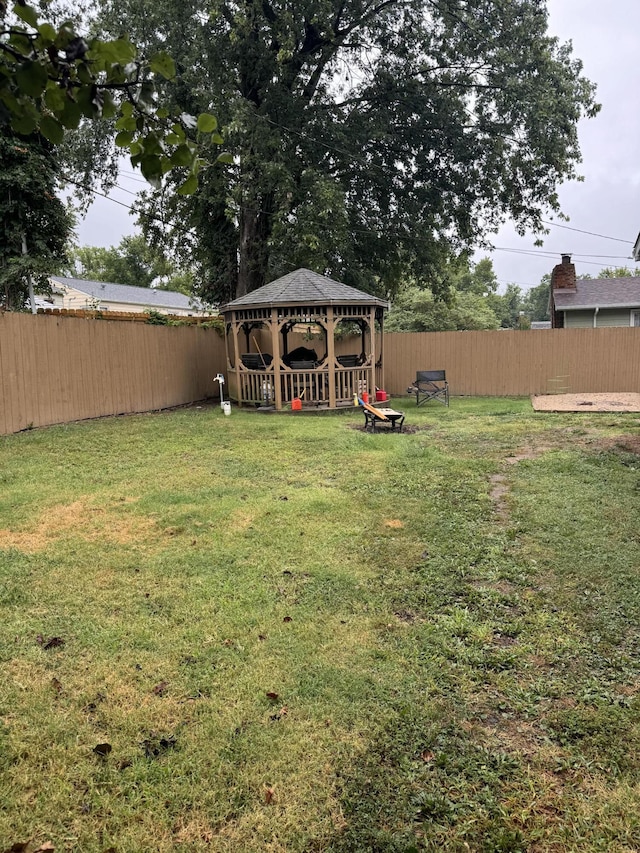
column 57, row 369
column 518, row 363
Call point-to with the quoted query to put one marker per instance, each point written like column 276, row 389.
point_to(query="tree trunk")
column 255, row 231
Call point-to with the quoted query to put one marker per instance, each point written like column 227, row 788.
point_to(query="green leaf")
column 126, row 108
column 84, row 74
column 207, row 123
column 10, row 101
column 109, row 106
column 31, row 78
column 124, row 139
column 216, row 139
column 225, row 157
column 189, row 186
column 179, row 131
column 151, row 168
column 71, row 115
column 86, row 96
column 52, row 130
column 126, row 122
column 27, row 13
column 47, row 32
column 54, row 97
column 20, row 42
column 24, row 123
column 163, row 64
column 120, row 51
column 182, row 156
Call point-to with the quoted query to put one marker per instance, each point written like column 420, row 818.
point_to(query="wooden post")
column 331, row 355
column 275, row 346
column 382, row 383
column 372, row 338
column 236, row 356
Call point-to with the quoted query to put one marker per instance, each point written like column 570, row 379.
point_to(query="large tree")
column 133, row 262
column 369, row 136
column 34, row 223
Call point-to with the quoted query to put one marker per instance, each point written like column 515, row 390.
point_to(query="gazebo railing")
column 312, row 385
column 351, row 381
column 255, row 386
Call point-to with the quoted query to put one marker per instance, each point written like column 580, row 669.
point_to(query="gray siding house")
column 592, row 303
column 74, row 293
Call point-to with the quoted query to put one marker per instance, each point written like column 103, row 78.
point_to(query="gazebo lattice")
column 265, row 368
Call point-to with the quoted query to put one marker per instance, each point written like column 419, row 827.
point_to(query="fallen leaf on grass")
column 279, row 714
column 161, row 689
column 57, row 686
column 288, row 619
column 102, row 749
column 27, row 847
column 271, row 694
column 427, row 756
column 51, row 643
column 269, row 794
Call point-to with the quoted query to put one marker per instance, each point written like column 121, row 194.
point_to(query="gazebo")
column 304, row 336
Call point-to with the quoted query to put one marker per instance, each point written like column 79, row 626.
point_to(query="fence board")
column 55, row 369
column 518, row 363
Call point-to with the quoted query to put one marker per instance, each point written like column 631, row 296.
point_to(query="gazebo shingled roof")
column 302, row 287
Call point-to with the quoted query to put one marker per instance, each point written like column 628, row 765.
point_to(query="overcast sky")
column 605, row 37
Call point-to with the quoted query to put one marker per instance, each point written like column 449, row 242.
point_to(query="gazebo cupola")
column 284, row 341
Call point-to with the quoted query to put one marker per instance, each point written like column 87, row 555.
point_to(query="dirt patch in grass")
column 407, row 429
column 627, row 402
column 628, row 443
column 81, row 520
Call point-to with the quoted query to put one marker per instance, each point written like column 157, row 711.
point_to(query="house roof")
column 304, row 287
column 599, row 293
column 148, row 296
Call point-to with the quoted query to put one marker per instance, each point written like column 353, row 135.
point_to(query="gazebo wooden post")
column 236, row 355
column 331, row 355
column 275, row 346
column 381, row 359
column 372, row 339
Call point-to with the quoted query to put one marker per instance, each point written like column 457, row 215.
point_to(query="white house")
column 76, row 293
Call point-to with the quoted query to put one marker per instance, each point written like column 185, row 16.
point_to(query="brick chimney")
column 563, row 276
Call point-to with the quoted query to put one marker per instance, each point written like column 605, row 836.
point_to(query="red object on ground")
column 365, row 397
column 381, row 396
column 296, row 404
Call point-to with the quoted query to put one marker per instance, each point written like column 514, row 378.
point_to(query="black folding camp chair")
column 430, row 385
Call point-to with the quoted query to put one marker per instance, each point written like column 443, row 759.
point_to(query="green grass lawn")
column 280, row 633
